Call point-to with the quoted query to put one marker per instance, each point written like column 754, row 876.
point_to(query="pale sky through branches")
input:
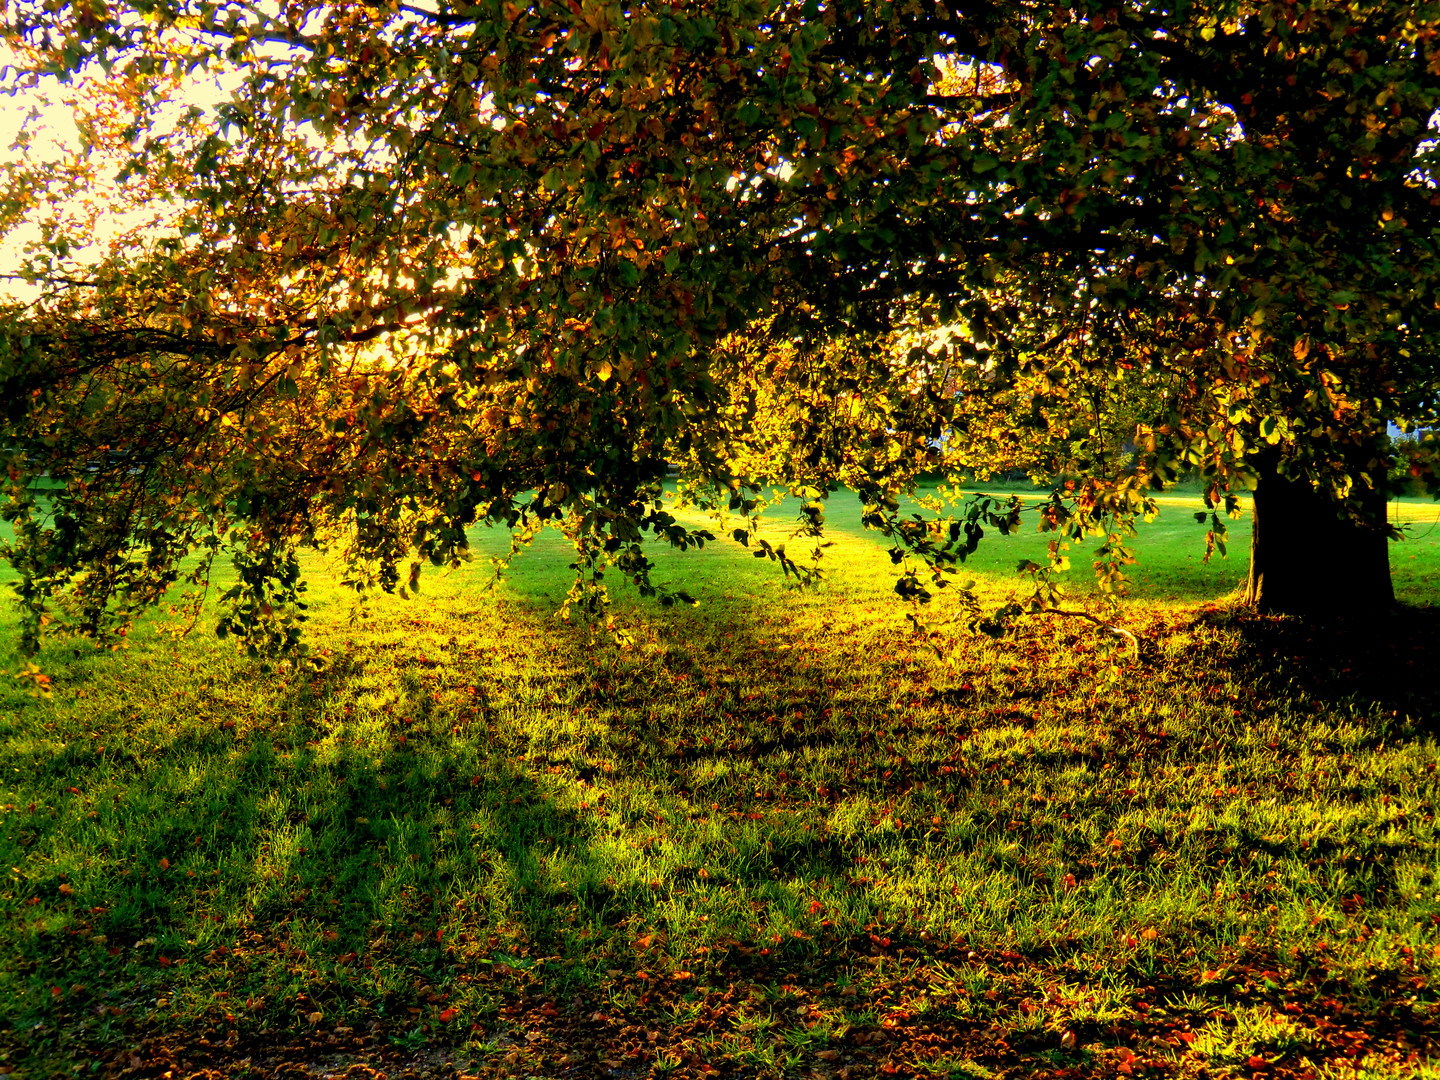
column 38, row 129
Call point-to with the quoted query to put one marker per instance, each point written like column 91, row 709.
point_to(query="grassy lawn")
column 770, row 837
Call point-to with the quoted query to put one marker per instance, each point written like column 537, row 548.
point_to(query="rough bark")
column 1307, row 558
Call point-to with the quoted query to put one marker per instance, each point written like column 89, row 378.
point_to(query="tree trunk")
column 1308, row 559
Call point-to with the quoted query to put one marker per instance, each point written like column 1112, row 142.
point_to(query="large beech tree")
column 435, row 263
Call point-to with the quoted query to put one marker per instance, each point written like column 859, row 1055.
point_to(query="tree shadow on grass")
column 455, row 834
column 1386, row 664
column 383, row 853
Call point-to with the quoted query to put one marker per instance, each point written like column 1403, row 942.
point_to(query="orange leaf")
column 164, row 864
column 447, row 1016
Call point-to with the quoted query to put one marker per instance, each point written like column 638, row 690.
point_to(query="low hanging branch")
column 539, row 235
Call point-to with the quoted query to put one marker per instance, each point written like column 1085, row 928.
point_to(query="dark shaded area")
column 1388, row 660
column 572, row 1040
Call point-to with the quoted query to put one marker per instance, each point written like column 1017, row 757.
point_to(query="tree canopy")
column 430, row 264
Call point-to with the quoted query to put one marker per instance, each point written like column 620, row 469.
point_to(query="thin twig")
column 1117, row 630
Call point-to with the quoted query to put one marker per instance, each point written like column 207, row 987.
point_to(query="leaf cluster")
column 510, row 263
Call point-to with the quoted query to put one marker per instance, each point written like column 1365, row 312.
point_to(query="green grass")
column 773, row 833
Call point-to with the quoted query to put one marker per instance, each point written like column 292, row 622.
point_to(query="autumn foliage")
column 430, row 266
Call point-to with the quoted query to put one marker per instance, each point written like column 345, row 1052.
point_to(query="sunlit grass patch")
column 767, row 830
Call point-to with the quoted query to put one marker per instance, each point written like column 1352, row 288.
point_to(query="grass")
column 770, row 837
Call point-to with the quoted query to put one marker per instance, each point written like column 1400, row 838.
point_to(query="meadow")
column 771, row 836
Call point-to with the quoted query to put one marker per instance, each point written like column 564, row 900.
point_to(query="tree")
column 595, row 237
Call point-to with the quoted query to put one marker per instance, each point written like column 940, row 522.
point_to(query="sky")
column 48, row 119
column 54, row 136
